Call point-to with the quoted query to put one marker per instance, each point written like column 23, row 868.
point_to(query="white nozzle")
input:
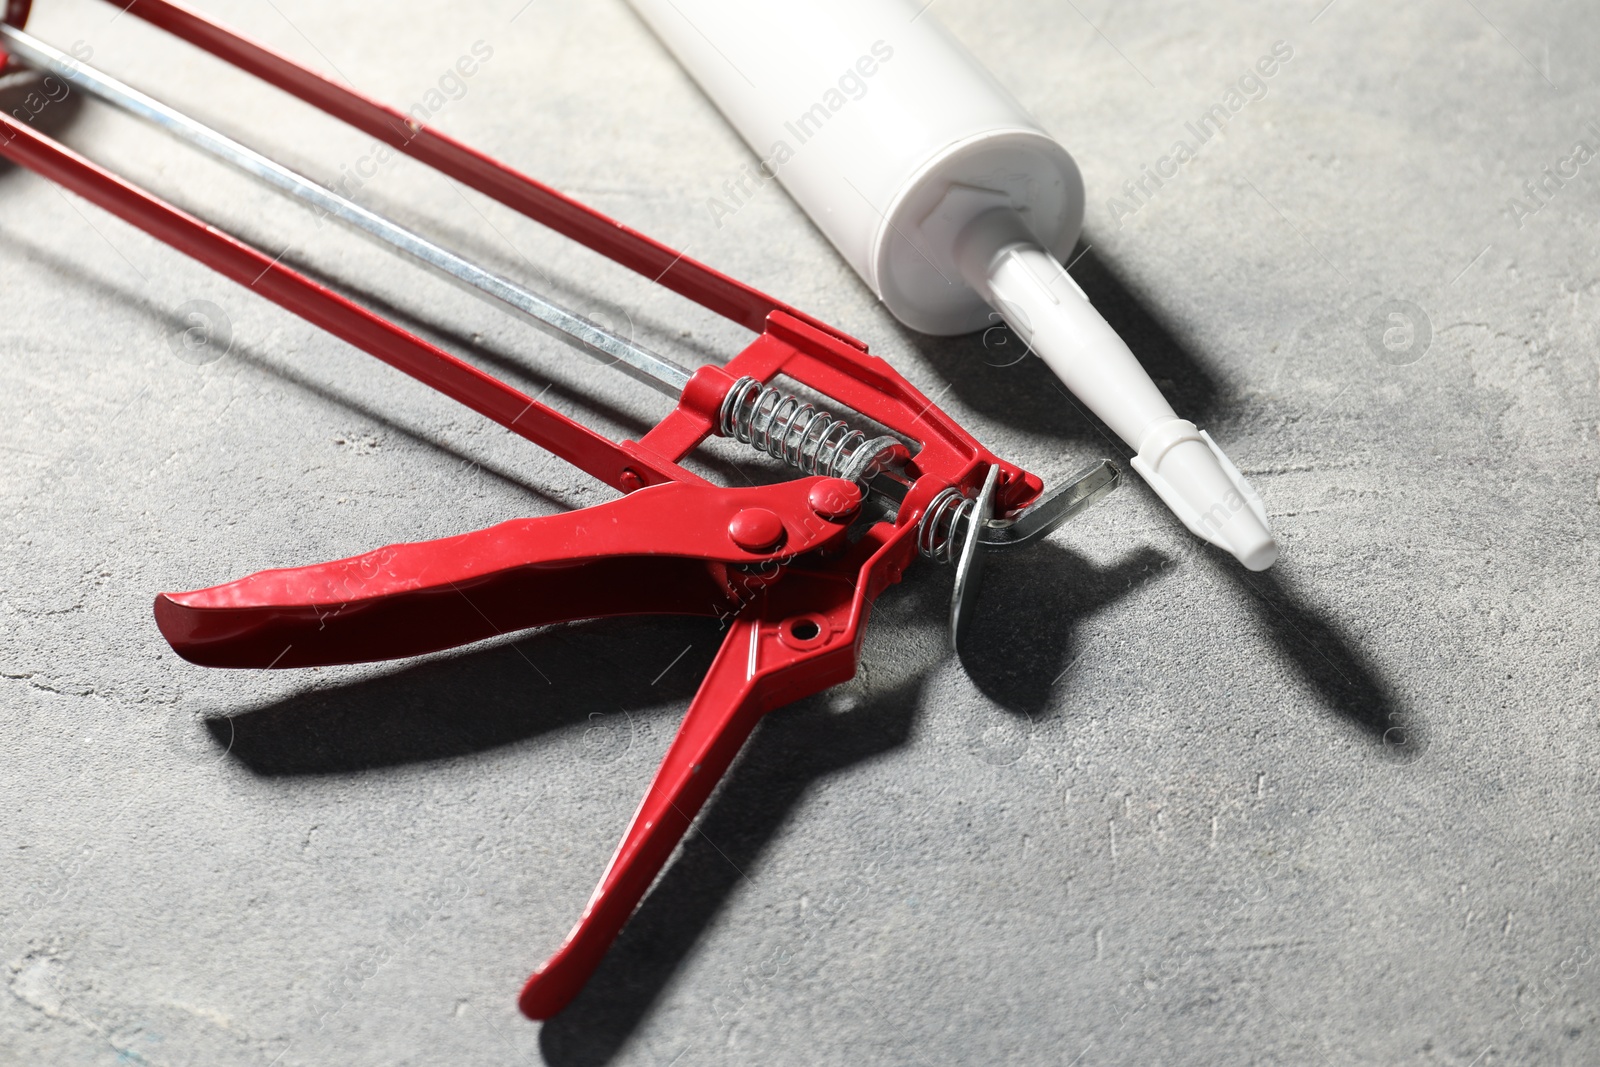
column 1040, row 301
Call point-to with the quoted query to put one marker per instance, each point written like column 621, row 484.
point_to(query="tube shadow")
column 1182, row 378
column 1329, row 662
column 989, row 374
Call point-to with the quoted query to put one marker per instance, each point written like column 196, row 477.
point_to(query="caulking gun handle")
column 665, row 549
column 715, row 728
column 796, row 638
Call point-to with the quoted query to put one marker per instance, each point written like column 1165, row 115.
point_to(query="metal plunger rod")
column 632, row 359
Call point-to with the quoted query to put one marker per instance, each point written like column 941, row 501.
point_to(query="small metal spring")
column 798, row 433
column 936, row 530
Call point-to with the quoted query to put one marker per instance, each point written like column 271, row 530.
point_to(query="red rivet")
column 834, row 498
column 630, row 480
column 756, row 530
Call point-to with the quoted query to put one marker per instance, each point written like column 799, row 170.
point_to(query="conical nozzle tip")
column 1206, row 491
column 1260, row 555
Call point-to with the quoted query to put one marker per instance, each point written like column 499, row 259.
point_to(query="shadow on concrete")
column 370, row 414
column 1021, row 642
column 511, row 368
column 1329, row 660
column 1181, row 377
column 47, row 104
column 445, row 707
column 519, row 373
column 791, row 750
column 565, row 677
column 43, row 102
column 114, row 292
column 987, row 374
column 469, row 703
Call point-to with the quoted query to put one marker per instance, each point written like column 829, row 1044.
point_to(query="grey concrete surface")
column 1165, row 812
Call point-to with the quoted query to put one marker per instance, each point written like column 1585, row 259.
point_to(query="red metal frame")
column 796, row 604
column 713, row 290
column 316, row 303
column 16, row 15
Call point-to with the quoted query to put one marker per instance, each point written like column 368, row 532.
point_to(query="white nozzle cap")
column 1205, row 490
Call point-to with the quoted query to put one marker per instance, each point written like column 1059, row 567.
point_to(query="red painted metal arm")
column 707, row 287
column 662, row 550
column 544, row 426
column 16, row 13
column 763, row 664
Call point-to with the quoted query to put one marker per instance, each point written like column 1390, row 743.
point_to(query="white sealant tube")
column 949, row 200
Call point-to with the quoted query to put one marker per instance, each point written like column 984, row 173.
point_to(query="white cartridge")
column 949, row 200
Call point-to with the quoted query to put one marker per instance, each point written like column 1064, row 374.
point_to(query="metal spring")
column 936, row 531
column 798, row 433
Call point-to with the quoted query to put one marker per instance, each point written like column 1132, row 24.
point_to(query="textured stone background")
column 1166, row 812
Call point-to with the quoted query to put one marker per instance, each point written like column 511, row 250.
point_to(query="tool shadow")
column 560, row 678
column 547, row 384
column 1020, row 642
column 791, row 750
column 43, row 101
column 563, row 678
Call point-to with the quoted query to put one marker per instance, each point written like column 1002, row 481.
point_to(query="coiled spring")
column 799, row 433
column 936, row 531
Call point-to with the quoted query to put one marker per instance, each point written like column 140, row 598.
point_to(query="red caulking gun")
column 885, row 478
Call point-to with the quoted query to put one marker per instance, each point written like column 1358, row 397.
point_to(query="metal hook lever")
column 1053, row 509
column 978, row 529
column 969, row 564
